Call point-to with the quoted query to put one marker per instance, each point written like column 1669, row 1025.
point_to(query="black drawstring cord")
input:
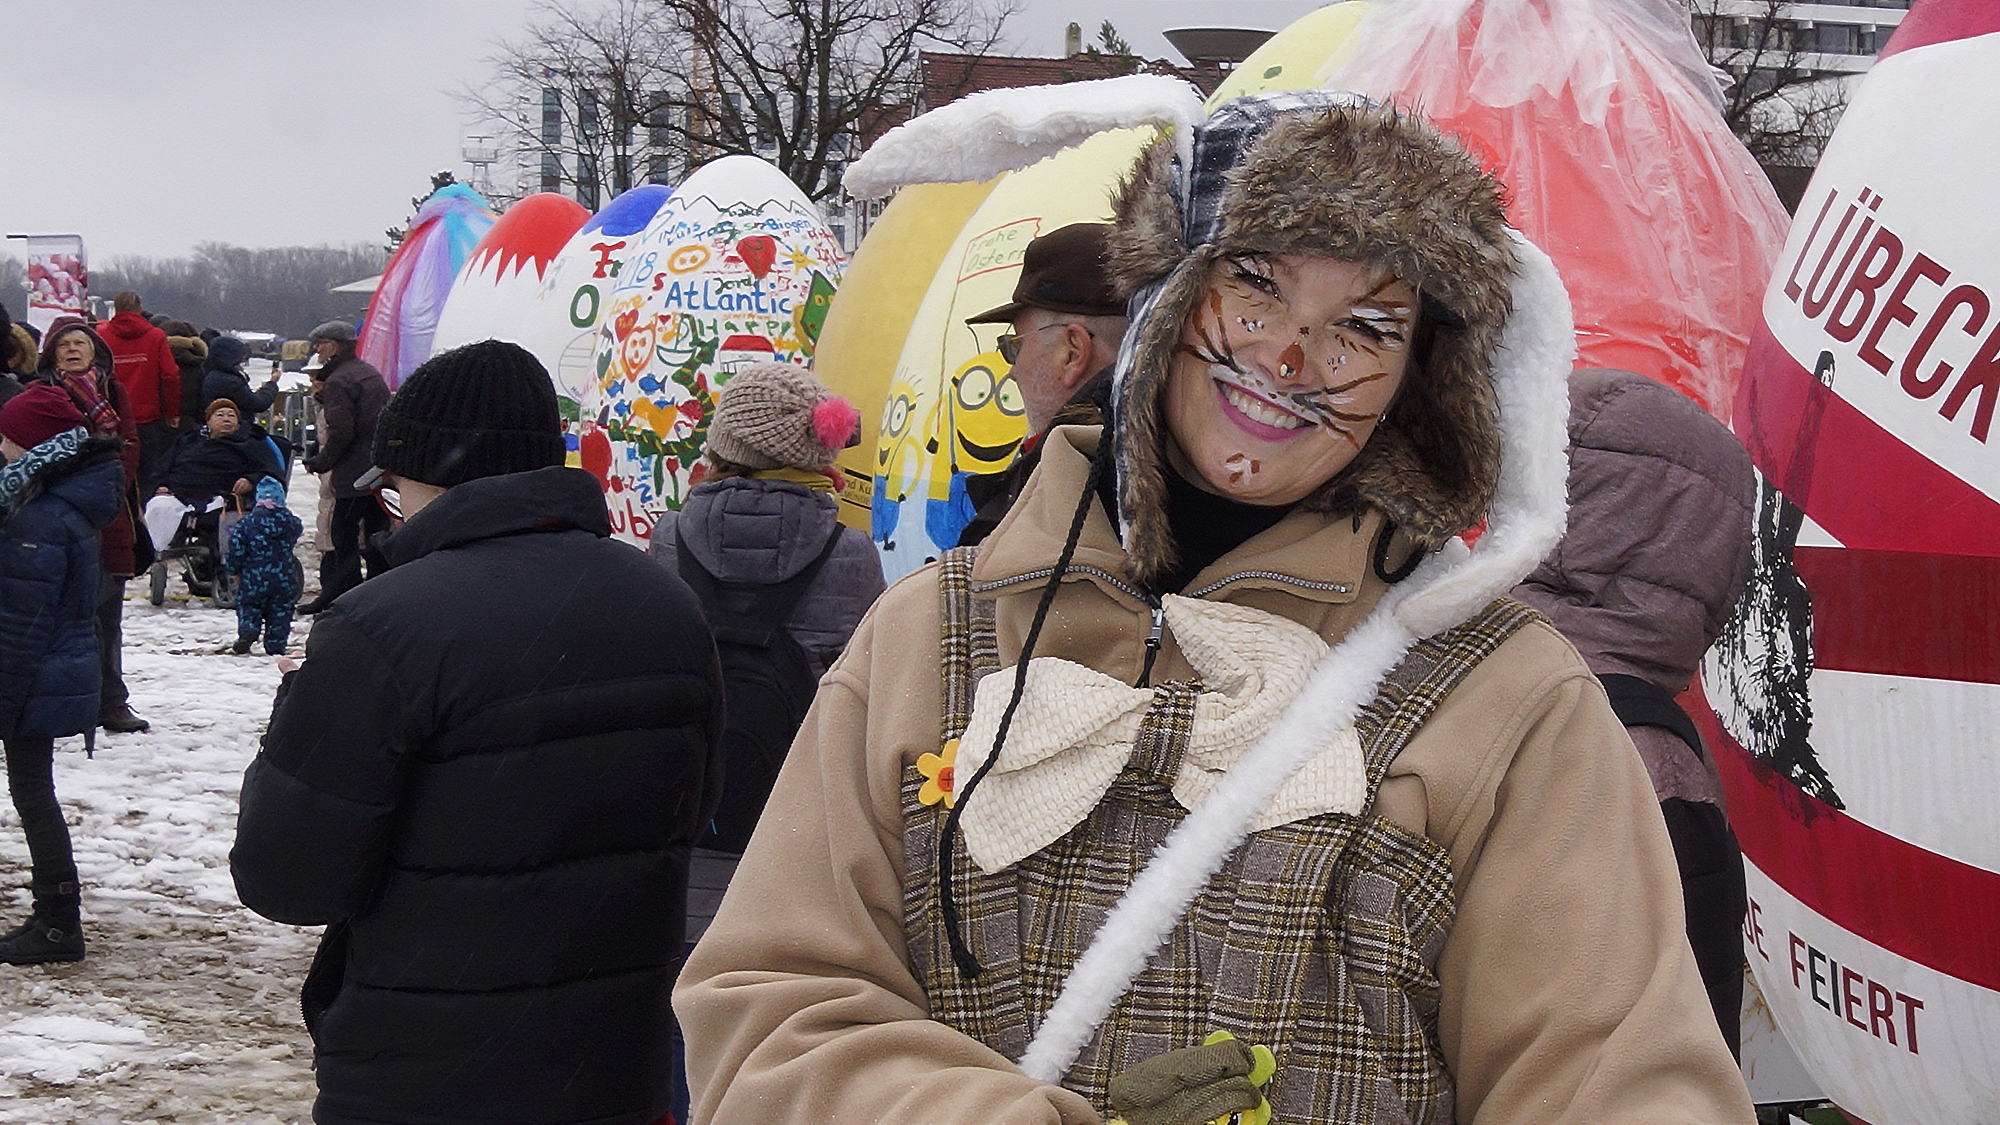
column 968, row 965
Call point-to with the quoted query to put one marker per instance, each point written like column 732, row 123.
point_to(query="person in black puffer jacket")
column 224, row 378
column 486, row 778
column 59, row 489
column 222, row 457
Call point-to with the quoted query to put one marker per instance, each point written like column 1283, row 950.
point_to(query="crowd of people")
column 173, row 410
column 1212, row 775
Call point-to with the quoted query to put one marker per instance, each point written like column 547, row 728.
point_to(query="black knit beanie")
column 475, row 411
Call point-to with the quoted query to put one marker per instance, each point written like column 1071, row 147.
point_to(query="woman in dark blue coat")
column 60, row 487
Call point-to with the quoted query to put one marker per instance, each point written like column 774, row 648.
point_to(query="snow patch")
column 982, row 135
column 62, row 1049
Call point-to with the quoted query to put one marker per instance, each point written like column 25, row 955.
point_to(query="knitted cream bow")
column 1075, row 729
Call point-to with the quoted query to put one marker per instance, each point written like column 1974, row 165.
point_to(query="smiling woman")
column 1266, row 750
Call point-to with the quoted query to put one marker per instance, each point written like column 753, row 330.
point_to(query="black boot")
column 121, row 720
column 53, row 933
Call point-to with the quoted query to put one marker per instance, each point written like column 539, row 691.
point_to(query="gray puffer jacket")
column 764, row 531
column 1657, row 550
column 1656, row 553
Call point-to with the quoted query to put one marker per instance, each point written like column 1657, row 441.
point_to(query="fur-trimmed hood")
column 1326, row 175
column 25, row 350
column 189, row 350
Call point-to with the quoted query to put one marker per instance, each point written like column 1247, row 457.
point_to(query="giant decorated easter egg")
column 952, row 410
column 499, row 287
column 1602, row 119
column 736, row 267
column 403, row 313
column 871, row 317
column 1300, row 57
column 562, row 324
column 1854, row 699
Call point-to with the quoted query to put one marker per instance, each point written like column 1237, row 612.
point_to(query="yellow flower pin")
column 939, row 779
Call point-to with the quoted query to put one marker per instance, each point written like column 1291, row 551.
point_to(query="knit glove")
column 1215, row 1082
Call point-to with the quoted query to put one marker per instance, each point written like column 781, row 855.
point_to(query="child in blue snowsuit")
column 260, row 554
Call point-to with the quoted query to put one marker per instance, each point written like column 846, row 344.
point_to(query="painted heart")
column 759, row 252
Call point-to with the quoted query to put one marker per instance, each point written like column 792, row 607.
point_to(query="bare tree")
column 286, row 290
column 1782, row 105
column 575, row 95
column 13, row 286
column 619, row 92
column 803, row 82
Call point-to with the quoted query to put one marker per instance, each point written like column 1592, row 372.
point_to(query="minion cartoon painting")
column 899, row 456
column 986, row 422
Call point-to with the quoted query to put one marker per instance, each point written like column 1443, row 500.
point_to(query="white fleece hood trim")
column 982, row 135
column 1531, row 384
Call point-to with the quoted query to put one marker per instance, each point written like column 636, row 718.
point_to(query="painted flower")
column 939, row 779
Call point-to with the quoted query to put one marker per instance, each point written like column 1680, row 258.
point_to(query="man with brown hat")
column 485, row 780
column 1065, row 324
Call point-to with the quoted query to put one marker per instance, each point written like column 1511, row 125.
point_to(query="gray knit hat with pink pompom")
column 777, row 415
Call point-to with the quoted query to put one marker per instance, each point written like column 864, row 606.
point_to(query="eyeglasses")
column 1009, row 343
column 383, row 486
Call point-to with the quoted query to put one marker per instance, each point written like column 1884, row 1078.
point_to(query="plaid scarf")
column 22, row 471
column 92, row 403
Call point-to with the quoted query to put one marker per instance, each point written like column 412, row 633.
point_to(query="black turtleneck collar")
column 1206, row 527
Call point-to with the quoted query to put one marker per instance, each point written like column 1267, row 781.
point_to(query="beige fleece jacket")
column 1569, row 992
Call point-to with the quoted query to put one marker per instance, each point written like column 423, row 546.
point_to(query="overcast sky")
column 151, row 125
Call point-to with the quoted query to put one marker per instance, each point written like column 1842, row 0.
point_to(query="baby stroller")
column 197, row 538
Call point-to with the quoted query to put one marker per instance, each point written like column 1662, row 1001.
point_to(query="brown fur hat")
column 1320, row 173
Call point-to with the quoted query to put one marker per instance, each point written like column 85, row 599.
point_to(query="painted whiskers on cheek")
column 1214, row 348
column 1323, row 405
column 1373, row 326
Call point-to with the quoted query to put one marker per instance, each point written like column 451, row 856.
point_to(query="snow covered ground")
column 186, row 1008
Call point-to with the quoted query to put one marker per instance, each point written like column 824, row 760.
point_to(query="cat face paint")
column 1282, row 371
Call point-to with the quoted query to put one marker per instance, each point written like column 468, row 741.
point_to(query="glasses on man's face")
column 1009, row 343
column 383, row 486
